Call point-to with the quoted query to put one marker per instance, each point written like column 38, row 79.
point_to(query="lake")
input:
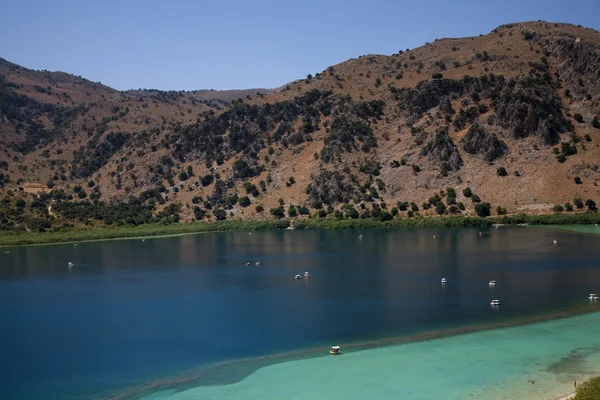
column 170, row 317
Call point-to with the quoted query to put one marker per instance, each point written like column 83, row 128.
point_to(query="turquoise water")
column 173, row 314
column 494, row 364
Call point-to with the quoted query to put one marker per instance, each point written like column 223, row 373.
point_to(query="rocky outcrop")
column 530, row 107
column 329, row 187
column 446, row 106
column 442, row 151
column 428, row 94
column 478, row 141
column 577, row 63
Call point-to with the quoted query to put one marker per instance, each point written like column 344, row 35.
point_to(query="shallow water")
column 493, row 364
column 149, row 314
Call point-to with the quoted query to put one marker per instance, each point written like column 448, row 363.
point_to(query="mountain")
column 500, row 123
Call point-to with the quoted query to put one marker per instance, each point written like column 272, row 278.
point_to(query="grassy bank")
column 77, row 235
column 451, row 221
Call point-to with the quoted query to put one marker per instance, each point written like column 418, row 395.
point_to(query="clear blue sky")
column 226, row 44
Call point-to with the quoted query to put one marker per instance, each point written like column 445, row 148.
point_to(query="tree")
column 475, row 198
column 596, row 123
column 568, row 206
column 577, row 180
column 558, row 208
column 578, row 202
column 501, row 171
column 220, row 214
column 259, row 208
column 277, row 212
column 91, row 184
column 244, row 201
column 483, row 209
column 207, row 179
column 591, row 205
column 440, row 208
column 196, row 199
column 467, row 192
column 183, row 176
column 450, row 196
column 292, row 213
column 578, row 117
column 437, row 75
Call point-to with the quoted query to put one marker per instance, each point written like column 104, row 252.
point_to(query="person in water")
column 575, row 383
column 532, row 381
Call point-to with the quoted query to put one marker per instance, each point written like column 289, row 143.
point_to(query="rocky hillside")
column 500, row 123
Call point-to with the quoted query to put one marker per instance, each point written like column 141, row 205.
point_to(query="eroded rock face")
column 577, row 63
column 442, row 151
column 478, row 141
column 446, row 106
column 430, row 93
column 530, row 107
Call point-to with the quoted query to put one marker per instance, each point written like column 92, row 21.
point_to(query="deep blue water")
column 129, row 312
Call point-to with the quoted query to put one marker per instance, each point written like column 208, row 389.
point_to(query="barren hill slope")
column 511, row 116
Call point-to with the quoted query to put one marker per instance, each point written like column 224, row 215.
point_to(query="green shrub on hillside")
column 589, row 390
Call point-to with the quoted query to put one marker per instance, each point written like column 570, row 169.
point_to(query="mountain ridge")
column 511, row 115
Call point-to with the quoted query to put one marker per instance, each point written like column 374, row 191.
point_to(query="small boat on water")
column 360, row 237
column 306, row 274
column 492, row 283
column 70, row 264
column 335, row 350
column 593, row 296
column 257, row 263
column 247, row 264
column 298, row 276
column 555, row 242
column 444, row 280
column 495, row 303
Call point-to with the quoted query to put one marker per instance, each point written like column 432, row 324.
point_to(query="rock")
column 442, row 151
column 478, row 141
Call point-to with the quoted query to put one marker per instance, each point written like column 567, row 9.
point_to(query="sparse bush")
column 467, row 192
column 259, row 209
column 500, row 210
column 501, row 171
column 558, row 208
column 244, row 201
column 475, row 198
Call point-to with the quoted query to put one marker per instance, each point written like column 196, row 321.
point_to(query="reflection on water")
column 133, row 311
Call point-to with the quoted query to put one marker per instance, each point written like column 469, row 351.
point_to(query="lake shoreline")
column 157, row 230
column 213, row 375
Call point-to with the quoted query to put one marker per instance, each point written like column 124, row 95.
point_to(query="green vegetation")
column 325, row 222
column 78, row 235
column 589, row 390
